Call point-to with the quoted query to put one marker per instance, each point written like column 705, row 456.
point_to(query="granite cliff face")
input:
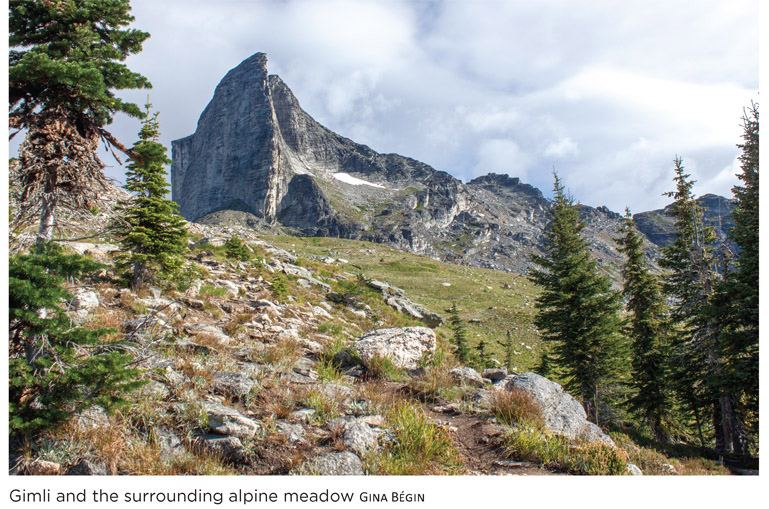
column 257, row 152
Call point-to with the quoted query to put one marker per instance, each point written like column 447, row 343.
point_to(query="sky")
column 606, row 93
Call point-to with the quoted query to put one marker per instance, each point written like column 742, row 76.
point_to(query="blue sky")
column 606, row 92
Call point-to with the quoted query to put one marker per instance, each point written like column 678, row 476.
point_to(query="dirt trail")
column 478, row 441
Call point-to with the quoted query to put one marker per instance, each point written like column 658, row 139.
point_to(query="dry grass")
column 284, row 353
column 516, row 408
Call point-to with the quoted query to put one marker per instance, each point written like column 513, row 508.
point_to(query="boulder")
column 466, row 376
column 633, row 469
column 563, row 414
column 231, row 384
column 225, row 420
column 404, row 346
column 494, row 374
column 334, row 463
column 359, row 437
column 414, row 310
column 229, row 448
column 83, row 301
column 85, row 467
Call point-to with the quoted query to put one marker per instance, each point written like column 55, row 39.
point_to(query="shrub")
column 384, row 368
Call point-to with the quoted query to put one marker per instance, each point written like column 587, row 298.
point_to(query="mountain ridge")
column 256, row 151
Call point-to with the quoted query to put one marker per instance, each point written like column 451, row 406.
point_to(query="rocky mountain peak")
column 257, row 152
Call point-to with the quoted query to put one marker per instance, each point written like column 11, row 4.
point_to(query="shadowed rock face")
column 257, row 152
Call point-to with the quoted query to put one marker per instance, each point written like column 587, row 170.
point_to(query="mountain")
column 258, row 158
column 658, row 226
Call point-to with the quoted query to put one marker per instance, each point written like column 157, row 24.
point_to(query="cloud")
column 607, row 93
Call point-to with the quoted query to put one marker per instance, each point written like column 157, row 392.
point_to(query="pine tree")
column 63, row 68
column 577, row 311
column 691, row 282
column 235, row 249
column 648, row 331
column 507, row 344
column 736, row 301
column 56, row 369
column 150, row 229
column 460, row 334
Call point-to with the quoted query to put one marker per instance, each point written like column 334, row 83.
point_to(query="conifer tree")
column 507, row 344
column 460, row 334
column 691, row 281
column 56, row 369
column 150, row 229
column 577, row 311
column 235, row 249
column 648, row 332
column 64, row 64
column 736, row 301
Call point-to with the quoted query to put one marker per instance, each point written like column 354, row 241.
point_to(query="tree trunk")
column 699, row 425
column 47, row 221
column 718, row 428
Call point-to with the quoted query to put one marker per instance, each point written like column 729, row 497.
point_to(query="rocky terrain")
column 292, row 364
column 257, row 153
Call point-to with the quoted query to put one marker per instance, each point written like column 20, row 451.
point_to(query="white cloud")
column 608, row 93
column 565, row 147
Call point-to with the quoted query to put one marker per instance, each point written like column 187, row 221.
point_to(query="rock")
column 85, row 467
column 84, row 301
column 337, row 392
column 385, row 288
column 229, row 448
column 359, row 437
column 467, row 376
column 43, row 467
column 225, row 420
column 232, row 384
column 494, row 374
column 153, row 390
column 334, row 463
column 303, row 414
column 403, row 346
column 414, row 310
column 563, row 414
column 293, row 432
column 170, row 444
column 211, row 331
column 633, row 469
column 91, row 418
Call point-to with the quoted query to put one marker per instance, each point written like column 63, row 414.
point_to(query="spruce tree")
column 56, row 369
column 460, row 334
column 577, row 311
column 64, row 65
column 647, row 329
column 150, row 229
column 692, row 278
column 736, row 300
column 235, row 249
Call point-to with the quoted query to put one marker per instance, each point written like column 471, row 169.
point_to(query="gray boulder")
column 359, row 437
column 225, row 420
column 494, row 374
column 232, row 384
column 334, row 463
column 228, row 448
column 466, row 376
column 404, row 346
column 563, row 414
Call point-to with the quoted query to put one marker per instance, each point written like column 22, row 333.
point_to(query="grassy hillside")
column 490, row 302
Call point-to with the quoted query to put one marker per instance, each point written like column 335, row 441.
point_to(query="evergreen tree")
column 648, row 331
column 56, row 369
column 460, row 334
column 691, row 281
column 150, row 230
column 64, row 66
column 576, row 310
column 235, row 249
column 507, row 344
column 736, row 300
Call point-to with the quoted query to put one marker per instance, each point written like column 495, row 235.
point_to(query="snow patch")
column 349, row 179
